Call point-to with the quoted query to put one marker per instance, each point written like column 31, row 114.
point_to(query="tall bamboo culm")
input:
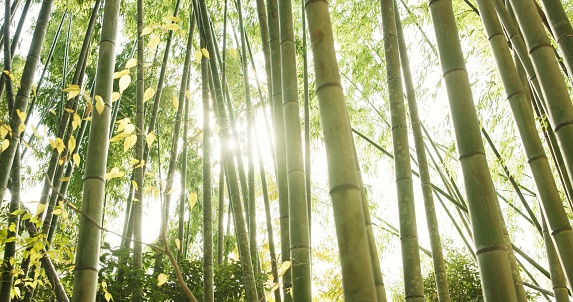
column 522, row 111
column 357, row 277
column 297, row 203
column 495, row 271
column 412, row 272
column 280, row 147
column 87, row 254
column 230, row 168
column 560, row 110
column 429, row 206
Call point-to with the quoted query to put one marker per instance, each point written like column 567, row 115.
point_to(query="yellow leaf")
column 134, row 184
column 57, row 212
column 115, row 96
column 21, row 115
column 120, row 74
column 114, row 173
column 76, row 121
column 122, row 123
column 284, row 267
column 64, row 179
column 52, row 111
column 233, row 52
column 178, row 243
column 77, row 159
column 71, row 144
column 171, row 26
column 133, row 161
column 131, row 63
column 192, row 200
column 135, row 200
column 68, row 110
column 100, row 106
column 118, row 137
column 198, row 57
column 4, row 131
column 58, row 144
column 21, row 128
column 171, row 191
column 87, row 97
column 129, row 142
column 161, row 279
column 148, row 94
column 216, row 129
column 72, row 90
column 205, row 52
column 124, row 82
column 141, row 164
column 175, row 19
column 129, row 128
column 150, row 139
column 108, row 296
column 153, row 42
column 40, row 208
column 175, row 102
column 188, row 94
column 5, row 144
column 146, row 30
column 34, row 130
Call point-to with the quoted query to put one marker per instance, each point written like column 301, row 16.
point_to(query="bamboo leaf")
column 124, row 82
column 171, row 26
column 147, row 30
column 150, row 139
column 205, row 52
column 120, row 74
column 153, row 42
column 21, row 115
column 76, row 159
column 57, row 212
column 192, row 200
column 161, row 279
column 71, row 144
column 40, row 209
column 72, row 90
column 148, row 94
column 198, row 57
column 134, row 184
column 131, row 63
column 63, row 179
column 284, row 267
column 100, row 106
column 118, row 137
column 5, row 144
column 188, row 94
column 175, row 19
column 178, row 243
column 175, row 102
column 129, row 128
column 115, row 96
column 114, row 173
column 129, row 142
column 233, row 52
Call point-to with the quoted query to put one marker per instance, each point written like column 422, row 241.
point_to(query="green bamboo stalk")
column 138, row 173
column 520, row 105
column 280, row 147
column 495, row 271
column 561, row 29
column 412, row 272
column 12, row 232
column 357, row 277
column 272, row 254
column 183, row 170
column 431, row 218
column 23, row 95
column 297, row 203
column 87, row 254
column 557, row 277
column 240, row 229
column 208, row 274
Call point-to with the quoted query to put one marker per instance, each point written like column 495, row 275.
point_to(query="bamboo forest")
column 280, row 150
